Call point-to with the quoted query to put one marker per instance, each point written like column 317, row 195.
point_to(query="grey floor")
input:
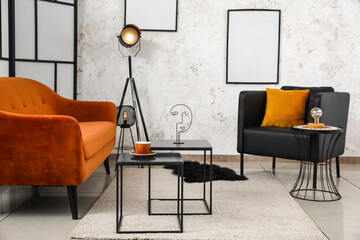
column 24, row 216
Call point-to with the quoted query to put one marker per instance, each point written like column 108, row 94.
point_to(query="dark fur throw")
column 194, row 172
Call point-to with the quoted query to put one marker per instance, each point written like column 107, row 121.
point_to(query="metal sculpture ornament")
column 184, row 117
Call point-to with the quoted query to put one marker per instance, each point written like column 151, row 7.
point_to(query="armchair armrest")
column 40, row 150
column 335, row 108
column 252, row 106
column 86, row 111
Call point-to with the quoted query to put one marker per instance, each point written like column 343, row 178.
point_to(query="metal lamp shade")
column 130, row 112
column 129, row 36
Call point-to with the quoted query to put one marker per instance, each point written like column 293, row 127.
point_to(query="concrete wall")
column 320, row 46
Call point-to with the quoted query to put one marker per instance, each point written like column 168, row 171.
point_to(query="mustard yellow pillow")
column 285, row 108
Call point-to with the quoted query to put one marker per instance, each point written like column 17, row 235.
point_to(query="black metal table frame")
column 203, row 199
column 180, row 200
column 309, row 167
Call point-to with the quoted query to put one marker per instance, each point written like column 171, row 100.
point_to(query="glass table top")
column 187, row 145
column 157, row 159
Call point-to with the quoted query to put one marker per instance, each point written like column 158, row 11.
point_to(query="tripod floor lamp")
column 128, row 38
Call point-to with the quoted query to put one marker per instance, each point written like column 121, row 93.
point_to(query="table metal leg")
column 119, row 212
column 210, row 182
column 204, row 188
column 121, row 191
column 149, row 191
column 178, row 190
column 117, row 199
column 182, row 198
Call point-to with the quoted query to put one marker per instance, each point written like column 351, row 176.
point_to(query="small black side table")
column 125, row 159
column 189, row 145
column 315, row 181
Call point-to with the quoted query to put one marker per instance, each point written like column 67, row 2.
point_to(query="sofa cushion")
column 271, row 141
column 311, row 98
column 96, row 135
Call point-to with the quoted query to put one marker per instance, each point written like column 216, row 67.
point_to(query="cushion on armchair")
column 311, row 98
column 284, row 108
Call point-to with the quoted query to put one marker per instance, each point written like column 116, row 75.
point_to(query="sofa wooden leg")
column 72, row 194
column 241, row 164
column 274, row 163
column 337, row 167
column 106, row 165
column 36, row 191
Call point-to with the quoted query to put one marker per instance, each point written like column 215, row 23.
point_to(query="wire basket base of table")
column 321, row 190
column 315, row 181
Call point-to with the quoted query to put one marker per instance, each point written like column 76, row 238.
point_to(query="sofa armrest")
column 86, row 111
column 335, row 108
column 252, row 106
column 40, row 150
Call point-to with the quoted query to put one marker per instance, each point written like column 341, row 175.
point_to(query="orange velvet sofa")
column 46, row 139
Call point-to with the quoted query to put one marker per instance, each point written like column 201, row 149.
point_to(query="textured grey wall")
column 320, row 45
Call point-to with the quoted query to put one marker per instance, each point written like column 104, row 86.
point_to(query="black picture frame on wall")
column 152, row 15
column 253, row 46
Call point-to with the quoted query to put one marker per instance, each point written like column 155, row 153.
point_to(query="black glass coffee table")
column 189, row 145
column 125, row 159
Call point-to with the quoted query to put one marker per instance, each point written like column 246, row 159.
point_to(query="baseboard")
column 349, row 159
column 224, row 158
column 236, row 158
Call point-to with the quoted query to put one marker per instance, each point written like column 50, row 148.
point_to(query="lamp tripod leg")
column 118, row 149
column 140, row 111
column 122, row 99
column 122, row 142
column 132, row 138
column 135, row 104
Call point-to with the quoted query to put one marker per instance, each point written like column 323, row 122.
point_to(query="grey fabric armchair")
column 280, row 142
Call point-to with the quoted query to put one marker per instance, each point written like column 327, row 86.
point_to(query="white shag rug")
column 259, row 208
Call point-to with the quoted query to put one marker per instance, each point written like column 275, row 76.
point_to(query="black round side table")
column 315, row 180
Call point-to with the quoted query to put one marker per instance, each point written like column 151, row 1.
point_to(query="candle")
column 125, row 116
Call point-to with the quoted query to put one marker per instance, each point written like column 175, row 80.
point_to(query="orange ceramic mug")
column 143, row 147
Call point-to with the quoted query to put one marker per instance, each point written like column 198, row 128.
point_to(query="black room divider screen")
column 38, row 40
